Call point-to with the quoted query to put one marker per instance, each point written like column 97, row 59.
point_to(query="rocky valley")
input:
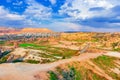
column 42, row 54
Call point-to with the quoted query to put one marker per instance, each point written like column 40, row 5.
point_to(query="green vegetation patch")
column 104, row 61
column 53, row 76
column 3, row 57
column 54, row 51
column 33, row 61
column 2, row 42
column 63, row 52
column 26, row 45
column 3, row 60
column 107, row 63
column 17, row 60
column 116, row 49
column 83, row 73
column 75, row 73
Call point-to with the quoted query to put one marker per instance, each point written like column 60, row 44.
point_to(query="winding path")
column 25, row 71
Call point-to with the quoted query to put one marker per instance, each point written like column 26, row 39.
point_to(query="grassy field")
column 117, row 49
column 2, row 42
column 55, row 51
column 74, row 72
column 107, row 63
column 31, row 45
column 85, row 71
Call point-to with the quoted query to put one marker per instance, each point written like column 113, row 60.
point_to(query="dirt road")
column 25, row 71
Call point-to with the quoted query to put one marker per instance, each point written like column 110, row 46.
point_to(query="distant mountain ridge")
column 35, row 30
column 4, row 30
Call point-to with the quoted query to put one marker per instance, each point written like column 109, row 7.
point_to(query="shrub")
column 33, row 61
column 69, row 75
column 53, row 76
column 3, row 60
column 17, row 60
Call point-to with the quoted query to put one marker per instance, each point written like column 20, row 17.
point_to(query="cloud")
column 18, row 3
column 9, row 19
column 96, row 9
column 36, row 11
column 102, row 29
column 69, row 26
column 116, row 11
column 32, row 16
column 64, row 15
column 14, row 17
column 6, row 15
column 84, row 6
column 53, row 2
column 66, row 26
column 2, row 11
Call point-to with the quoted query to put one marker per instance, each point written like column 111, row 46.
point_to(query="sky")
column 62, row 15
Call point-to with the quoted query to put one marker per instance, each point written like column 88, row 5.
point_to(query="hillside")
column 83, row 67
column 71, row 56
column 4, row 30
